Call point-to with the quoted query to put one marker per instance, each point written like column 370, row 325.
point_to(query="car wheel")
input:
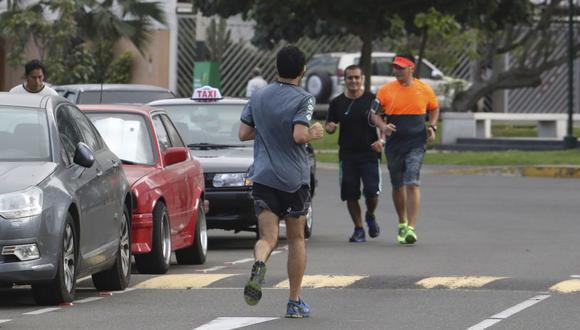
column 62, row 288
column 158, row 260
column 197, row 252
column 308, row 223
column 117, row 277
column 319, row 85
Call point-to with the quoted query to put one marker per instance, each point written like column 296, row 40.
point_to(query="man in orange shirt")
column 404, row 103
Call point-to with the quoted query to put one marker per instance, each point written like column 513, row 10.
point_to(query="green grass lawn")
column 326, row 152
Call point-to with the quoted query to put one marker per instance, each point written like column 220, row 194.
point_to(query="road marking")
column 211, row 269
column 455, row 282
column 226, row 323
column 182, row 281
column 42, row 311
column 4, row 321
column 324, row 281
column 240, row 261
column 86, row 300
column 568, row 286
column 508, row 312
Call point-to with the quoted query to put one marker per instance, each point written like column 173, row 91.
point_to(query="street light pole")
column 570, row 140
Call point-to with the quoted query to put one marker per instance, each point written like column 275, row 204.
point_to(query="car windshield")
column 208, row 124
column 24, row 134
column 92, row 97
column 126, row 135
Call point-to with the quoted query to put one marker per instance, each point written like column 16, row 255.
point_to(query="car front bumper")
column 230, row 210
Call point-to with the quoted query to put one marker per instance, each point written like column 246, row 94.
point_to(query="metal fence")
column 241, row 57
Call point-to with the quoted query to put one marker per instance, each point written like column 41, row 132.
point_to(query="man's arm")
column 303, row 134
column 386, row 128
column 432, row 128
column 246, row 132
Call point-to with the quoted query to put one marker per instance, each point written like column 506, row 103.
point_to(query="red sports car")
column 166, row 182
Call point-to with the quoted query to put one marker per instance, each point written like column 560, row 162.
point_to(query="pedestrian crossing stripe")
column 456, row 282
column 324, row 281
column 568, row 286
column 182, row 281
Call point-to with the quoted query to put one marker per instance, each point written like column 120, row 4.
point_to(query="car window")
column 92, row 139
column 91, row 97
column 126, row 134
column 24, row 134
column 323, row 63
column 162, row 136
column 207, row 122
column 425, row 71
column 68, row 131
column 382, row 66
column 173, row 135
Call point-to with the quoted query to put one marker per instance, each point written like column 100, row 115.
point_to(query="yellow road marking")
column 182, row 281
column 568, row 286
column 454, row 282
column 324, row 281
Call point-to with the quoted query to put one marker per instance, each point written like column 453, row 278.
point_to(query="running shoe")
column 410, row 236
column 297, row 309
column 402, row 233
column 358, row 236
column 253, row 289
column 374, row 229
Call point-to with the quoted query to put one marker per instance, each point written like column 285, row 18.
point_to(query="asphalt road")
column 493, row 251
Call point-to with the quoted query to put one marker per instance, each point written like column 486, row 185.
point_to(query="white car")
column 324, row 77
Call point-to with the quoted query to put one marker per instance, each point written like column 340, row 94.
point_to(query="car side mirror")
column 175, row 155
column 84, row 155
column 436, row 74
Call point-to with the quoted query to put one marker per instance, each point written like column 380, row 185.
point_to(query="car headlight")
column 231, row 180
column 21, row 204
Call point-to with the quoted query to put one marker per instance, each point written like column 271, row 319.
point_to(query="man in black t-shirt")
column 359, row 151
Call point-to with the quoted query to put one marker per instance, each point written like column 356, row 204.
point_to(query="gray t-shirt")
column 279, row 162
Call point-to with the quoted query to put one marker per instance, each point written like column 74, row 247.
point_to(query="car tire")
column 308, row 222
column 117, row 277
column 159, row 259
column 62, row 288
column 197, row 252
column 319, row 85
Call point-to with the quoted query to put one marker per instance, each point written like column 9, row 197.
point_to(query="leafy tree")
column 75, row 37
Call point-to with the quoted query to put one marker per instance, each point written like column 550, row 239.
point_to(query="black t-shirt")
column 356, row 133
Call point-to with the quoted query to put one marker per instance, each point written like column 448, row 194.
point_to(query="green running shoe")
column 402, row 233
column 253, row 289
column 410, row 236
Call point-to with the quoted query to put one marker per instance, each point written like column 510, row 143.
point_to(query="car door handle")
column 115, row 163
column 99, row 172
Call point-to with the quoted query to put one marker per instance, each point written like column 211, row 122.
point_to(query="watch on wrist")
column 433, row 127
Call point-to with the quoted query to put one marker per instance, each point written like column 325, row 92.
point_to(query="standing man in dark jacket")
column 359, row 151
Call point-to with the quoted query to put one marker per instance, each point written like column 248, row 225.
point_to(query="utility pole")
column 570, row 140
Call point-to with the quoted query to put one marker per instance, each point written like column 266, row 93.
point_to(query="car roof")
column 25, row 99
column 177, row 101
column 111, row 87
column 134, row 108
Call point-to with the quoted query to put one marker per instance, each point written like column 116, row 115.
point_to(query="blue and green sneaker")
column 297, row 309
column 253, row 289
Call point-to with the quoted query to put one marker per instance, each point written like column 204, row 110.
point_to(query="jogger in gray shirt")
column 278, row 118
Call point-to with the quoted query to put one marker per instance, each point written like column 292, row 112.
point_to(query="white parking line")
column 4, row 321
column 227, row 323
column 86, row 300
column 42, row 311
column 205, row 270
column 240, row 261
column 508, row 312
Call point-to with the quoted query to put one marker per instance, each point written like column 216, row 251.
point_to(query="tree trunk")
column 421, row 52
column 365, row 59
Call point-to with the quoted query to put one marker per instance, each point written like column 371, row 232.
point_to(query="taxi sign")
column 206, row 93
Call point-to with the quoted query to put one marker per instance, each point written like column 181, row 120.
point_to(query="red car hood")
column 136, row 172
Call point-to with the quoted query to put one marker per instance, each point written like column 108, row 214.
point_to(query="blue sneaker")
column 374, row 229
column 358, row 236
column 297, row 309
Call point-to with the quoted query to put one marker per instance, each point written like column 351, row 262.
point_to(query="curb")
column 526, row 171
column 548, row 171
